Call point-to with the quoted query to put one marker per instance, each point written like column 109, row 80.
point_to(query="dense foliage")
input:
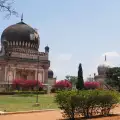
column 87, row 103
column 72, row 79
column 113, row 77
column 80, row 81
column 91, row 85
column 63, row 84
column 26, row 84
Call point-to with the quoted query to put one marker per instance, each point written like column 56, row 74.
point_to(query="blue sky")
column 77, row 31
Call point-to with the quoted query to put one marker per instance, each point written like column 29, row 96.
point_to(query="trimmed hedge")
column 23, row 92
column 86, row 103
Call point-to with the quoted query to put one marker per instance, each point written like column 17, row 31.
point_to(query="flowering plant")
column 63, row 84
column 92, row 85
column 26, row 83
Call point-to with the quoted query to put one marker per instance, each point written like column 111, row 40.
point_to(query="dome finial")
column 22, row 17
column 105, row 58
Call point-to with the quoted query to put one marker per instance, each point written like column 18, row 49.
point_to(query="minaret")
column 47, row 49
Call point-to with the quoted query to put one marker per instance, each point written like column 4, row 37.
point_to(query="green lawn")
column 21, row 103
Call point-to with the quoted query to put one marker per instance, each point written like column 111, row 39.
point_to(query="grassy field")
column 22, row 103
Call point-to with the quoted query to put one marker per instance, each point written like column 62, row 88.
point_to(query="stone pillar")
column 48, row 89
column 10, row 76
column 36, row 74
column 14, row 73
column 5, row 78
column 40, row 76
column 2, row 73
column 45, row 75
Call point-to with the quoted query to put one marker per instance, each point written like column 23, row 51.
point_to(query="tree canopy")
column 113, row 77
column 72, row 79
column 7, row 6
column 80, row 81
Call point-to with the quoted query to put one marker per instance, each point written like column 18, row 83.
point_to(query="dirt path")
column 51, row 115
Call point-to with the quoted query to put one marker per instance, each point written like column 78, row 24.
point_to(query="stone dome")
column 102, row 68
column 21, row 35
column 50, row 73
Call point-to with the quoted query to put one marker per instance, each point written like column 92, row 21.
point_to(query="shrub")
column 53, row 90
column 65, row 102
column 63, row 84
column 92, row 85
column 86, row 103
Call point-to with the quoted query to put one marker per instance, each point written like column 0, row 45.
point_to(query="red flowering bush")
column 63, row 84
column 92, row 85
column 26, row 83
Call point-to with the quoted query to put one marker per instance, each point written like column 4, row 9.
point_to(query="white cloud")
column 113, row 59
column 111, row 54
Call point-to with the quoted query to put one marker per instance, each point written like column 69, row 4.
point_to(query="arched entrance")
column 25, row 74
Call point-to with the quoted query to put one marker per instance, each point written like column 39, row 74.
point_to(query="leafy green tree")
column 72, row 79
column 80, row 81
column 113, row 77
column 7, row 6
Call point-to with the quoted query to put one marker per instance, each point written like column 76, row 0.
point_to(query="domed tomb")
column 20, row 58
column 50, row 73
column 21, row 35
column 102, row 68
